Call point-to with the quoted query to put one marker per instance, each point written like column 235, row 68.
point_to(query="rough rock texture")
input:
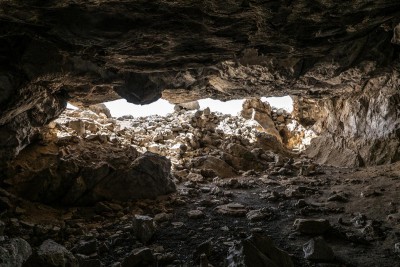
column 84, row 157
column 92, row 51
column 261, row 112
column 258, row 251
column 360, row 130
column 71, row 169
column 14, row 252
column 52, row 254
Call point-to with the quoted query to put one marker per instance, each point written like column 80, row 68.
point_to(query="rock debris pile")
column 89, row 156
column 239, row 195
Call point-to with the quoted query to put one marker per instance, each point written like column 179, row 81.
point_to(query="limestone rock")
column 351, row 129
column 260, row 111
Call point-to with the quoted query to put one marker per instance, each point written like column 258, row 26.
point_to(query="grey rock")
column 202, row 249
column 86, row 261
column 139, row 257
column 147, row 177
column 193, row 105
column 312, row 226
column 51, row 253
column 195, row 214
column 318, row 250
column 14, row 253
column 258, row 251
column 397, row 248
column 100, row 108
column 2, row 227
column 144, row 228
column 86, row 247
column 256, row 215
column 232, row 209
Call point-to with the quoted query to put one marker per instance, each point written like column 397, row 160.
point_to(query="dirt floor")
column 362, row 206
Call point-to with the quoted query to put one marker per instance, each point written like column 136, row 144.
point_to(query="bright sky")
column 161, row 107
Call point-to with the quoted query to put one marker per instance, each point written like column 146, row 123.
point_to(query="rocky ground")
column 241, row 198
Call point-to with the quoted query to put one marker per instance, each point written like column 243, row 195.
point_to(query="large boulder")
column 100, row 109
column 14, row 252
column 75, row 171
column 220, row 167
column 52, row 254
column 240, row 158
column 147, row 177
column 255, row 109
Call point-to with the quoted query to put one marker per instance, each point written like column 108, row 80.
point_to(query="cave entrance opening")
column 273, row 114
column 162, row 107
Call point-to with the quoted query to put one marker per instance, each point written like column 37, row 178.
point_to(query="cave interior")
column 315, row 186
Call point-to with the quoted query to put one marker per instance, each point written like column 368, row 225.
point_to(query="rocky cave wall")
column 91, row 51
column 360, row 130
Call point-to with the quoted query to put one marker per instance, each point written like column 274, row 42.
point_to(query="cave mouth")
column 270, row 114
column 162, row 107
column 86, row 188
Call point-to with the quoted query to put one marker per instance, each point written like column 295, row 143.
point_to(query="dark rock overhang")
column 92, row 50
column 88, row 52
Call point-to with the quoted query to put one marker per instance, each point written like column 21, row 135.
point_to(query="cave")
column 314, row 186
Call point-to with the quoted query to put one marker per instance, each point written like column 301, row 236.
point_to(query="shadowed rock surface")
column 338, row 60
column 92, row 51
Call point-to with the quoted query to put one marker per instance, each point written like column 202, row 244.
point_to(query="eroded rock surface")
column 71, row 167
column 93, row 51
column 360, row 130
column 87, row 157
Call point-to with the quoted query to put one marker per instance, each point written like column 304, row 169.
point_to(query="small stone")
column 195, row 214
column 206, row 111
column 397, row 248
column 394, row 218
column 139, row 257
column 224, row 228
column 255, row 215
column 232, row 209
column 301, row 203
column 86, row 247
column 318, row 250
column 162, row 217
column 2, row 227
column 144, row 228
column 338, row 198
column 203, row 248
column 177, row 224
column 87, row 261
column 19, row 210
column 193, row 105
column 312, row 226
column 195, row 177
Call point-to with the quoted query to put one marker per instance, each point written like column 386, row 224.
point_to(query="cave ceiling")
column 88, row 52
